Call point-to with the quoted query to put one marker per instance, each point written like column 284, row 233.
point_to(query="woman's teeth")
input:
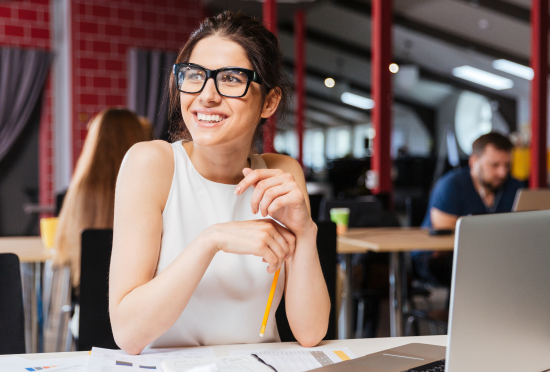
column 210, row 118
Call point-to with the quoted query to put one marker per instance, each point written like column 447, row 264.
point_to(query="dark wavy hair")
column 263, row 51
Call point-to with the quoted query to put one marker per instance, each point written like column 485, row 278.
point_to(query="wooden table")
column 32, row 255
column 394, row 240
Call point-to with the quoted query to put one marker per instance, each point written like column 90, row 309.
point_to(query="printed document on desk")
column 299, row 359
column 244, row 363
column 106, row 360
column 18, row 364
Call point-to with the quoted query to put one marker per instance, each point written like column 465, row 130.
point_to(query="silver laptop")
column 531, row 200
column 500, row 302
column 500, row 294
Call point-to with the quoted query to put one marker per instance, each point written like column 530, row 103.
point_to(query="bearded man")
column 483, row 187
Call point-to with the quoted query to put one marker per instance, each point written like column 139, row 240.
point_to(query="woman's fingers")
column 253, row 177
column 270, row 257
column 292, row 197
column 290, row 239
column 260, row 189
column 282, row 241
column 273, row 193
column 278, row 246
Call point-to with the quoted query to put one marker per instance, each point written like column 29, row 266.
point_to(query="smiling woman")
column 196, row 220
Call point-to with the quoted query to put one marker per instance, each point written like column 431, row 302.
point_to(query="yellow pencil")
column 269, row 301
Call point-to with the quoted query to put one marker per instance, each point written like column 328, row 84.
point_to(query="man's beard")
column 492, row 187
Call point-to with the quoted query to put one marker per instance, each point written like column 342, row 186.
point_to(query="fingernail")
column 238, row 190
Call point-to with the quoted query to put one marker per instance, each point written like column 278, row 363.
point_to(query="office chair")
column 416, row 209
column 326, row 247
column 366, row 211
column 95, row 325
column 12, row 319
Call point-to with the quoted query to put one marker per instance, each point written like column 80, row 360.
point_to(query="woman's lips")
column 208, row 124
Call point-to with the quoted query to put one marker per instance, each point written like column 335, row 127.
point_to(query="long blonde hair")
column 89, row 202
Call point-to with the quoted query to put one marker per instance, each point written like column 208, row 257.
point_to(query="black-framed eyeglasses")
column 229, row 81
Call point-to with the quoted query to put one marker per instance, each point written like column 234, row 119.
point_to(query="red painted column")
column 539, row 93
column 299, row 67
column 381, row 93
column 270, row 21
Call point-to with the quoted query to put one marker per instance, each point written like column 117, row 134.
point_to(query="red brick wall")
column 26, row 24
column 102, row 33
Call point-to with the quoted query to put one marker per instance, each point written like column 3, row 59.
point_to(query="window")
column 473, row 117
column 338, row 143
column 362, row 140
column 314, row 149
column 286, row 142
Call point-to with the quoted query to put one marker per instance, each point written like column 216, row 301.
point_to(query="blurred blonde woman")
column 89, row 202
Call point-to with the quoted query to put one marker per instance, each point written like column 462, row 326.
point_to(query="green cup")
column 340, row 216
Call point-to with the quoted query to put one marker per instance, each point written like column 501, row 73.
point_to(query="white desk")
column 360, row 347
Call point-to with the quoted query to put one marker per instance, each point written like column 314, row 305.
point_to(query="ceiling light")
column 357, row 101
column 394, row 67
column 482, row 77
column 329, row 82
column 514, row 68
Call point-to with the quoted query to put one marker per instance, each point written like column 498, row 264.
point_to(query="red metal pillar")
column 299, row 67
column 382, row 94
column 539, row 93
column 270, row 21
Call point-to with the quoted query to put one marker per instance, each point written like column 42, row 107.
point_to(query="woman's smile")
column 209, row 118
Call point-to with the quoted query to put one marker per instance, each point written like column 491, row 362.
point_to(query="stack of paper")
column 285, row 360
column 105, row 360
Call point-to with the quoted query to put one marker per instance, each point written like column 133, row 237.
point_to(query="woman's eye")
column 230, row 79
column 195, row 76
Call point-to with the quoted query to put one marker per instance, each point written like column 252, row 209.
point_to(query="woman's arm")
column 142, row 307
column 281, row 192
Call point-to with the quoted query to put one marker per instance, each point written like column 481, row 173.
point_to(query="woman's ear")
column 271, row 102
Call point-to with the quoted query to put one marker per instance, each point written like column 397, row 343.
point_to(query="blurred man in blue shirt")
column 483, row 187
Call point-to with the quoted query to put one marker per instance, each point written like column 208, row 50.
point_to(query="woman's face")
column 238, row 116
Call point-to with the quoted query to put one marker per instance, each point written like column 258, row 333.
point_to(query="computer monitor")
column 500, row 294
column 531, row 200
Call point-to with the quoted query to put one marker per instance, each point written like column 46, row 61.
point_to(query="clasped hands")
column 275, row 194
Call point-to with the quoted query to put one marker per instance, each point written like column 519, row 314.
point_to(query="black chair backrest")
column 12, row 318
column 315, row 204
column 95, row 325
column 416, row 209
column 326, row 246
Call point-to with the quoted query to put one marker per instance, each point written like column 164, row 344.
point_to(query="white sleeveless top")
column 229, row 303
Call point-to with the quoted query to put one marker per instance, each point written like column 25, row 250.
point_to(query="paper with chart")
column 244, row 363
column 106, row 360
column 18, row 364
column 299, row 359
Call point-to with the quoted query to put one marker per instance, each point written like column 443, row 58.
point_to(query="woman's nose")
column 209, row 92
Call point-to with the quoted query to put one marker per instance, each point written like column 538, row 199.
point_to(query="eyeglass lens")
column 229, row 82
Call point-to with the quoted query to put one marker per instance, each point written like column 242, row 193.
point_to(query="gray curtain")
column 23, row 74
column 148, row 75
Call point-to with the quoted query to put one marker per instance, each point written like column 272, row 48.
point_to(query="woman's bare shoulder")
column 149, row 165
column 151, row 156
column 286, row 163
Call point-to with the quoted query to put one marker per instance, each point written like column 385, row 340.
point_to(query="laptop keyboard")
column 438, row 366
